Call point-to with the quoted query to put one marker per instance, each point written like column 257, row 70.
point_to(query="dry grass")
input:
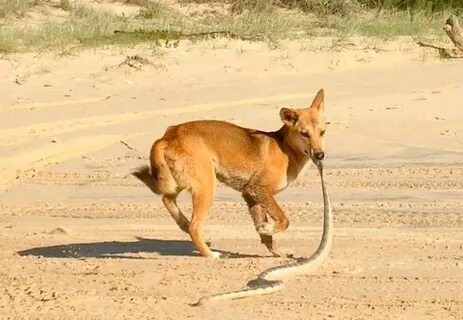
column 81, row 24
column 157, row 21
column 16, row 7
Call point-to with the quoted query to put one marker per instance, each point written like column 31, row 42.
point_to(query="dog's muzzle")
column 319, row 155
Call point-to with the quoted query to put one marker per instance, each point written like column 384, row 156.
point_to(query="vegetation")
column 270, row 20
column 417, row 5
column 16, row 7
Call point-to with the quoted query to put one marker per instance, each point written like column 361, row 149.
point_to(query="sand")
column 82, row 239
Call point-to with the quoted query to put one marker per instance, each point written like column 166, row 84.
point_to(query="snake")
column 271, row 280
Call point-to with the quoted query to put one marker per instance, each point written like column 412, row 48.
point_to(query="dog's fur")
column 191, row 156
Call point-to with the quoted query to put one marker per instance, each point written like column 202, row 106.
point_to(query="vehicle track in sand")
column 396, row 178
column 22, row 134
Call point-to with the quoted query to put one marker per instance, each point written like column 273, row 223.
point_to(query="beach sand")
column 83, row 239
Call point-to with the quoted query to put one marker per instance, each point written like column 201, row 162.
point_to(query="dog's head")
column 307, row 127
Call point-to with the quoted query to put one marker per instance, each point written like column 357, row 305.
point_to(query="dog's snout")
column 319, row 155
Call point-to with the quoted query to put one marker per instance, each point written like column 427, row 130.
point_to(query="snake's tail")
column 267, row 288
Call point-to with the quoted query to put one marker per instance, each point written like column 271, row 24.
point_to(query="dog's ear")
column 319, row 101
column 289, row 116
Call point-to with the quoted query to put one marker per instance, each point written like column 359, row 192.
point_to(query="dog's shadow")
column 124, row 250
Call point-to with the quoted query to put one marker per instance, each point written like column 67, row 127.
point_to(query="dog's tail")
column 158, row 177
column 145, row 175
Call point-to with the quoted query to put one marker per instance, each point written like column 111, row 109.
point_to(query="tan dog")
column 258, row 164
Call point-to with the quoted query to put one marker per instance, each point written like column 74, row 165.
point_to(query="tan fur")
column 192, row 156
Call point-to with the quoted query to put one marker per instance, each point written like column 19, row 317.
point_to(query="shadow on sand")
column 123, row 250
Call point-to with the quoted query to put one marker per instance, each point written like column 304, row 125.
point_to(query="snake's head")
column 318, row 163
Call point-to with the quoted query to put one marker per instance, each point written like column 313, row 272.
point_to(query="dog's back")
column 235, row 154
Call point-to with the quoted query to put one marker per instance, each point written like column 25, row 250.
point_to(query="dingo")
column 258, row 164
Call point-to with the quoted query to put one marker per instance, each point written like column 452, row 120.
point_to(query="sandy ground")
column 82, row 239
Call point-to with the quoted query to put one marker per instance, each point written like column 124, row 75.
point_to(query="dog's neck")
column 296, row 157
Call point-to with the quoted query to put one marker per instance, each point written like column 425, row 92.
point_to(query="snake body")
column 270, row 280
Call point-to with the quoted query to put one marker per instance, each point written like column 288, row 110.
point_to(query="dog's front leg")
column 259, row 218
column 270, row 244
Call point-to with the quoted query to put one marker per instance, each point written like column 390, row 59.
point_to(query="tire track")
column 375, row 215
column 52, row 153
column 394, row 178
column 40, row 105
column 18, row 135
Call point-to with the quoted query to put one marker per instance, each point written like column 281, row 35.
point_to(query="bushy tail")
column 145, row 175
column 158, row 176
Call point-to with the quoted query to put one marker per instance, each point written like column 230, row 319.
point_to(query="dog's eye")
column 305, row 135
column 322, row 133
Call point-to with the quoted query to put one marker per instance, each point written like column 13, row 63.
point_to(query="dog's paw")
column 282, row 253
column 216, row 255
column 266, row 229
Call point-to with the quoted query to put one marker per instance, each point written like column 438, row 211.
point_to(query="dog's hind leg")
column 170, row 201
